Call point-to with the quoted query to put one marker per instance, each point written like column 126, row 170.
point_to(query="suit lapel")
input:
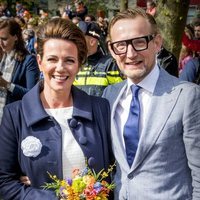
column 117, row 142
column 162, row 104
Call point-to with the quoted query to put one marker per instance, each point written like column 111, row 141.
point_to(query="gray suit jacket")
column 167, row 161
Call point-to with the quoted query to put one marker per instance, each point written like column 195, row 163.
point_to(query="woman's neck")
column 50, row 100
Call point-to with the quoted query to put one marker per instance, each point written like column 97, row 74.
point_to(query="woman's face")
column 59, row 65
column 7, row 41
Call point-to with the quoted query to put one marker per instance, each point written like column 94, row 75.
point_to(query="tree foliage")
column 94, row 6
column 123, row 5
column 171, row 18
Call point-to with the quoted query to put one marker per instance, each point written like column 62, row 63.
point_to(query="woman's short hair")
column 59, row 28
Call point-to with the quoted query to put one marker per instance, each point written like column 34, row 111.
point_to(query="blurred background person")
column 191, row 70
column 29, row 38
column 191, row 36
column 100, row 70
column 197, row 30
column 103, row 24
column 89, row 18
column 167, row 61
column 43, row 18
column 19, row 69
column 76, row 20
column 151, row 7
column 185, row 55
column 78, row 10
column 191, row 42
column 19, row 9
column 21, row 22
column 4, row 11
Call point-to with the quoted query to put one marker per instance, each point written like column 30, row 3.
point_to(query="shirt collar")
column 10, row 55
column 81, row 109
column 148, row 83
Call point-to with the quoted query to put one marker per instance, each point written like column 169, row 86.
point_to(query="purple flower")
column 97, row 187
column 61, row 190
column 62, row 194
column 84, row 172
column 69, row 181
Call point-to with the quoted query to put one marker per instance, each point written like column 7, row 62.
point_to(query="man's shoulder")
column 106, row 58
column 102, row 63
column 168, row 83
column 80, row 94
column 113, row 90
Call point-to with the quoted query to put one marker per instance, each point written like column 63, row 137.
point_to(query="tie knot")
column 135, row 89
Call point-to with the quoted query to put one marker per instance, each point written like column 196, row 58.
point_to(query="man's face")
column 197, row 32
column 136, row 65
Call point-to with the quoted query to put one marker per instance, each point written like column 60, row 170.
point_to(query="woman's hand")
column 3, row 82
column 25, row 180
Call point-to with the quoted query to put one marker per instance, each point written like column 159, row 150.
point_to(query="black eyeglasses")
column 138, row 44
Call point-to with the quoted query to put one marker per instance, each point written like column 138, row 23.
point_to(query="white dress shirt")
column 145, row 93
column 72, row 154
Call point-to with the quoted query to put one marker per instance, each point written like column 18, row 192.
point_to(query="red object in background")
column 194, row 2
column 141, row 3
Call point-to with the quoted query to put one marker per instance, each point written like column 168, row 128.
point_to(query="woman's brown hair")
column 15, row 29
column 59, row 28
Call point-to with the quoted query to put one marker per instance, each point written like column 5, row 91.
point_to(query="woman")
column 19, row 69
column 67, row 125
column 29, row 39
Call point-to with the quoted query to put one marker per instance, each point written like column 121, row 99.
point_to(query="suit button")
column 83, row 140
column 130, row 176
column 73, row 123
column 91, row 162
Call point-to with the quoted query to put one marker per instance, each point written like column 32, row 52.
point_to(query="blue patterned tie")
column 131, row 127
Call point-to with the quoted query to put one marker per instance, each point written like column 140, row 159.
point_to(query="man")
column 191, row 70
column 193, row 43
column 164, row 162
column 168, row 61
column 197, row 30
column 80, row 11
column 100, row 70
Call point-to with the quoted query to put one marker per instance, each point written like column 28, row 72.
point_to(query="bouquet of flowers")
column 84, row 185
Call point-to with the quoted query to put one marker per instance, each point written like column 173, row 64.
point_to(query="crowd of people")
column 78, row 90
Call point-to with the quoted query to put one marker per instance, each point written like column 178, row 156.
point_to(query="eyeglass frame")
column 148, row 38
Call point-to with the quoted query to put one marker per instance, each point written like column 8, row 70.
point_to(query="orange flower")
column 89, row 180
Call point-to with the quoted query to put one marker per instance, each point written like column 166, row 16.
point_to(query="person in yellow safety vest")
column 100, row 70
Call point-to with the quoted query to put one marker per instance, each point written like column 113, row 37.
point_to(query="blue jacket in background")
column 190, row 70
column 25, row 76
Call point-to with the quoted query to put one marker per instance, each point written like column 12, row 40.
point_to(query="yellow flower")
column 89, row 180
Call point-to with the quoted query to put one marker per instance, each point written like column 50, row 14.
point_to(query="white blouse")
column 72, row 154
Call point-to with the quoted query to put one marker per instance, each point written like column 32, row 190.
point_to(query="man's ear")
column 158, row 42
column 93, row 41
column 39, row 61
